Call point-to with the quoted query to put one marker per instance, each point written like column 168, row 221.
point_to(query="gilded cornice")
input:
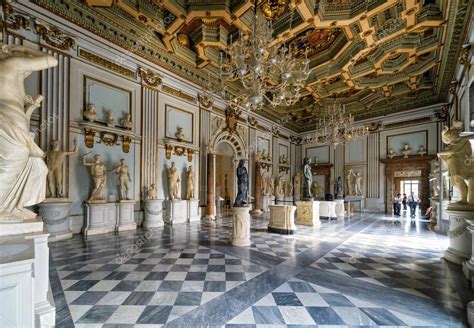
column 178, row 93
column 106, row 64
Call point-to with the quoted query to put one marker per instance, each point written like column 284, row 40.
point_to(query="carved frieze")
column 106, row 63
column 149, row 77
column 53, row 36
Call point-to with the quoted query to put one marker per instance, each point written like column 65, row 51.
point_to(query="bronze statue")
column 242, row 185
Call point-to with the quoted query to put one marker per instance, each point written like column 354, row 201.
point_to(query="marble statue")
column 271, row 186
column 297, row 185
column 338, row 188
column 308, row 179
column 421, row 151
column 22, row 169
column 391, row 153
column 124, row 180
column 288, row 188
column 406, row 150
column 127, row 121
column 242, row 185
column 358, row 184
column 173, row 181
column 179, row 133
column 349, row 190
column 190, row 183
column 280, row 190
column 316, row 190
column 110, row 118
column 99, row 175
column 152, row 192
column 458, row 158
column 90, row 114
column 264, row 185
column 54, row 161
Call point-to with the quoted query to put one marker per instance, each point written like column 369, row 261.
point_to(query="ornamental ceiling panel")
column 376, row 57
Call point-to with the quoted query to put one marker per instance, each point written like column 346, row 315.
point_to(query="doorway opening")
column 224, row 178
column 409, row 186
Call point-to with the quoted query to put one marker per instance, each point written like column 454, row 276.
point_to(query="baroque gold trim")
column 178, row 93
column 106, row 63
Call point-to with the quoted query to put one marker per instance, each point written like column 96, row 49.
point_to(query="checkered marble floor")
column 190, row 276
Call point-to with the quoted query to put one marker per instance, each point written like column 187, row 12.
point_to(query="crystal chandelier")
column 336, row 127
column 264, row 73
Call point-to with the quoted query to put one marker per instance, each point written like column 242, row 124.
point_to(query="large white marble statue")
column 173, row 182
column 124, row 180
column 152, row 192
column 458, row 158
column 190, row 183
column 280, row 191
column 297, row 185
column 99, row 175
column 271, row 186
column 54, row 160
column 22, row 169
column 349, row 190
column 357, row 183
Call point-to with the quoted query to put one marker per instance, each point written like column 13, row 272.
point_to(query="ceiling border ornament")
column 53, row 36
column 178, row 93
column 149, row 77
column 93, row 58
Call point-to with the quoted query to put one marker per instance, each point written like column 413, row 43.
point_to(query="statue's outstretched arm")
column 33, row 60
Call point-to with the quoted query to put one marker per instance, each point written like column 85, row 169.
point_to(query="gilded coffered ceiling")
column 375, row 56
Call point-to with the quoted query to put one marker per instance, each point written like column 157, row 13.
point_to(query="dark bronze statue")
column 242, row 185
column 338, row 188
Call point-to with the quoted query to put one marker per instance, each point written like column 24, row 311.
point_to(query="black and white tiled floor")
column 357, row 272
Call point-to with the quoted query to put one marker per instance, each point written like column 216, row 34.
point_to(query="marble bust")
column 308, row 179
column 173, row 182
column 421, row 151
column 458, row 158
column 90, row 114
column 99, row 175
column 179, row 134
column 124, row 180
column 391, row 153
column 22, row 168
column 110, row 118
column 406, row 150
column 242, row 185
column 54, row 161
column 127, row 121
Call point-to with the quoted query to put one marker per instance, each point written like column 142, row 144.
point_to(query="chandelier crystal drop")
column 336, row 127
column 260, row 72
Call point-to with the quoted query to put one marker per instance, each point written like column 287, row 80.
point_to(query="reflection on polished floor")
column 367, row 270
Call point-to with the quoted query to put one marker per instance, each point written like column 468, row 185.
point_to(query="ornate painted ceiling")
column 375, row 56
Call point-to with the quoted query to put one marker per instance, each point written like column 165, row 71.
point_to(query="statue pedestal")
column 241, row 226
column 126, row 220
column 470, row 313
column 308, row 213
column 153, row 213
column 468, row 266
column 100, row 218
column 267, row 201
column 193, row 210
column 55, row 213
column 176, row 211
column 18, row 228
column 460, row 240
column 435, row 220
column 282, row 219
column 327, row 209
column 339, row 208
column 355, row 203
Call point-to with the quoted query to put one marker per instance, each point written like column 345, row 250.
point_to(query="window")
column 409, row 186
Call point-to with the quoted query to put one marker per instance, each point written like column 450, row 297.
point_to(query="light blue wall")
column 415, row 140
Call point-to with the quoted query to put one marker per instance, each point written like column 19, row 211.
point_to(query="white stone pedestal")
column 308, row 213
column 327, row 209
column 470, row 314
column 355, row 203
column 267, row 201
column 339, row 208
column 18, row 228
column 241, row 226
column 153, row 213
column 193, row 210
column 55, row 213
column 176, row 212
column 460, row 240
column 468, row 266
column 282, row 219
column 126, row 217
column 100, row 218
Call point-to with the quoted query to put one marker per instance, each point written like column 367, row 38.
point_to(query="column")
column 211, row 187
column 258, row 190
column 149, row 154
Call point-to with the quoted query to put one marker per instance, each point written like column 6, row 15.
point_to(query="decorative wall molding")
column 149, row 77
column 178, row 93
column 53, row 36
column 106, row 64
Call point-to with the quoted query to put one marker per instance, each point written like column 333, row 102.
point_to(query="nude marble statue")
column 458, row 158
column 349, row 190
column 358, row 184
column 190, row 183
column 22, row 169
column 173, row 182
column 54, row 161
column 297, row 185
column 152, row 192
column 99, row 175
column 124, row 180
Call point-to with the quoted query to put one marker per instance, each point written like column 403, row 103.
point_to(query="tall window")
column 408, row 186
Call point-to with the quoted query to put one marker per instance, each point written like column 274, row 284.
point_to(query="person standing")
column 412, row 203
column 404, row 202
column 396, row 205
